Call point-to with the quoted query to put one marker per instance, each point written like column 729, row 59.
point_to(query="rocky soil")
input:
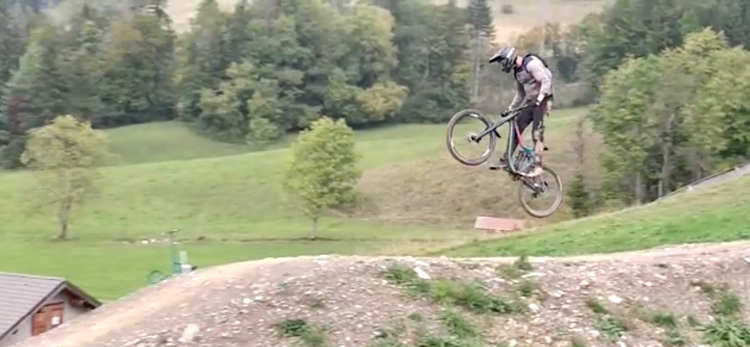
column 682, row 296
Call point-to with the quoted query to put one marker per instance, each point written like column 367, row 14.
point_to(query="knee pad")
column 538, row 135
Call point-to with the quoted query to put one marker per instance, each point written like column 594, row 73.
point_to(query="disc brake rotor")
column 540, row 188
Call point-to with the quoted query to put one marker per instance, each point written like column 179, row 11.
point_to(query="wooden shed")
column 31, row 305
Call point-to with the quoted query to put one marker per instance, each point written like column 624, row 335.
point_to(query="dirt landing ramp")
column 240, row 304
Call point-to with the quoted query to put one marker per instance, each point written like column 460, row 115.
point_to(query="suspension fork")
column 512, row 133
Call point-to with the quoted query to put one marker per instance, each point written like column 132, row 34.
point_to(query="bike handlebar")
column 514, row 110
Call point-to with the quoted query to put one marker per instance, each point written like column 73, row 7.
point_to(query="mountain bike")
column 516, row 163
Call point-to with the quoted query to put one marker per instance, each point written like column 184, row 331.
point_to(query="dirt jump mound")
column 684, row 296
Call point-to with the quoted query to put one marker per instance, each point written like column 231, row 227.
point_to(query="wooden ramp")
column 498, row 224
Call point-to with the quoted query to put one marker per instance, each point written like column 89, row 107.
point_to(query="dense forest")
column 271, row 67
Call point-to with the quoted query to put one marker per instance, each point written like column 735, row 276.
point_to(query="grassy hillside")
column 240, row 196
column 407, row 168
column 435, row 190
column 712, row 215
column 155, row 142
column 173, row 141
column 526, row 14
column 230, row 208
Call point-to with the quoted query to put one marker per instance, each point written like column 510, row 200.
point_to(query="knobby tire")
column 558, row 198
column 449, row 136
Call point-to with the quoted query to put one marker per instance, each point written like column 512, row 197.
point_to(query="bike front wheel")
column 533, row 191
column 474, row 124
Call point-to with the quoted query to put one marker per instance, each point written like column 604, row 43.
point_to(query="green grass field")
column 175, row 141
column 712, row 215
column 165, row 141
column 227, row 201
column 228, row 204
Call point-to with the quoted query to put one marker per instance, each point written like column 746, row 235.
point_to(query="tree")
column 35, row 93
column 621, row 119
column 137, row 84
column 11, row 45
column 323, row 169
column 245, row 106
column 238, row 38
column 578, row 195
column 39, row 80
column 673, row 118
column 363, row 92
column 433, row 61
column 82, row 66
column 67, row 152
column 479, row 16
column 205, row 55
column 634, row 28
column 574, row 43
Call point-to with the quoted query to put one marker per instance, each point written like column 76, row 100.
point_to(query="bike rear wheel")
column 540, row 187
column 455, row 127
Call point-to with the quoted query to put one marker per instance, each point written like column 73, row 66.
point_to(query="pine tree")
column 579, row 197
column 455, row 61
column 40, row 83
column 205, row 61
column 238, row 36
column 137, row 83
column 6, row 32
column 35, row 93
column 82, row 66
column 480, row 18
column 11, row 46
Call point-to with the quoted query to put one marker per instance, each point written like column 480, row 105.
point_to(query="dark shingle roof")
column 19, row 294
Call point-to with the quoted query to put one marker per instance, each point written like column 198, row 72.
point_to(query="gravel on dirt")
column 351, row 303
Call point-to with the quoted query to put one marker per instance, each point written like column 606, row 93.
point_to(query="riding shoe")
column 501, row 165
column 535, row 171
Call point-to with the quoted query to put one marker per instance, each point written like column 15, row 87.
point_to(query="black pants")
column 533, row 115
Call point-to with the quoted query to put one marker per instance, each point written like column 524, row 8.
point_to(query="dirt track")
column 234, row 305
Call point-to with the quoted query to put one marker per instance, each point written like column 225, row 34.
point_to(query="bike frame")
column 513, row 132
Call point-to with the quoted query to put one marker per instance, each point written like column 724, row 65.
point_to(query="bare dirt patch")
column 668, row 297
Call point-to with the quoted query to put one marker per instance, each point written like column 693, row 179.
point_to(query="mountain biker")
column 534, row 84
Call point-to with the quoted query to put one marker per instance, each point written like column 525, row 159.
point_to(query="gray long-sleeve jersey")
column 532, row 81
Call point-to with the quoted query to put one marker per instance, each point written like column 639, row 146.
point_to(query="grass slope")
column 436, row 190
column 224, row 197
column 162, row 141
column 175, row 141
column 229, row 208
column 712, row 215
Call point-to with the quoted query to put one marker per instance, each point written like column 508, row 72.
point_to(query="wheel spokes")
column 471, row 147
column 541, row 194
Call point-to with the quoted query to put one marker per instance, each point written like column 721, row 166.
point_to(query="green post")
column 176, row 266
